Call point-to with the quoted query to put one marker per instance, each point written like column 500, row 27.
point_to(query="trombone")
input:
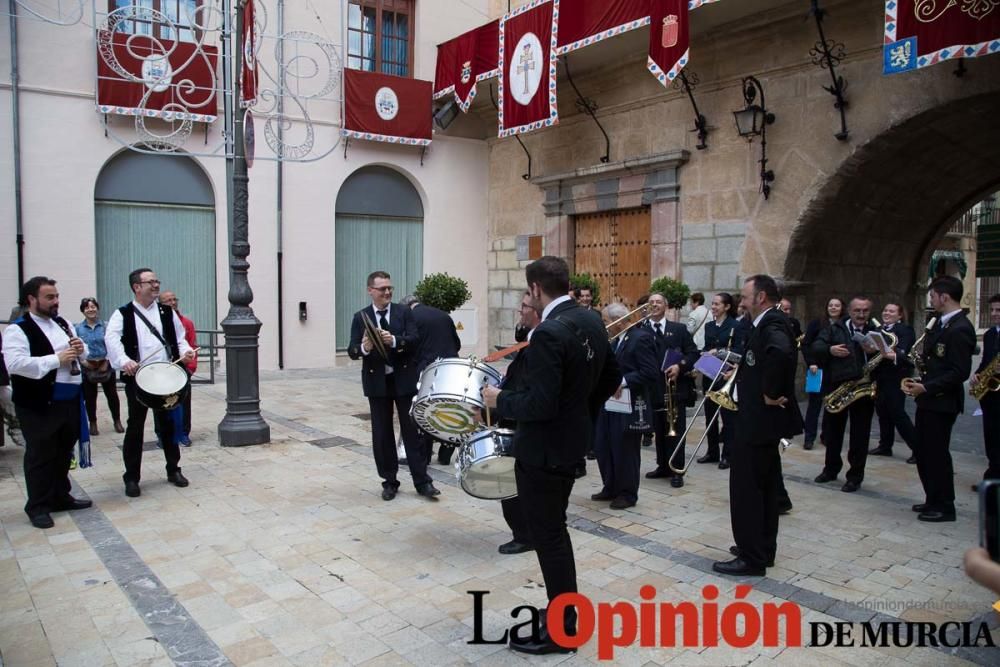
column 723, row 396
column 643, row 311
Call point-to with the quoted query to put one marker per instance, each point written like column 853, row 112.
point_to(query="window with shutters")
column 185, row 15
column 380, row 36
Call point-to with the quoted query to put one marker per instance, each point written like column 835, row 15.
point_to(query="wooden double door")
column 614, row 248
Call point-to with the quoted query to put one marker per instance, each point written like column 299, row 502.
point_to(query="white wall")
column 64, row 149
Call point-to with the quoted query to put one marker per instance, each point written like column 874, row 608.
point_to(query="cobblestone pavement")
column 285, row 554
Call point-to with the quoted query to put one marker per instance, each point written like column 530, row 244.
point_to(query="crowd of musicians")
column 586, row 382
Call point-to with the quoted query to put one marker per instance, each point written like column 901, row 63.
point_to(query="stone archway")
column 872, row 226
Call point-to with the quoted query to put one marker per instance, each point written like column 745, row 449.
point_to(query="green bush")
column 675, row 292
column 442, row 291
column 586, row 281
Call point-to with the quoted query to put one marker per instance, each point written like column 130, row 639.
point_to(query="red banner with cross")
column 527, row 65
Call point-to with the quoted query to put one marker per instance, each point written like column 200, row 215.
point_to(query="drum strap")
column 578, row 332
column 156, row 333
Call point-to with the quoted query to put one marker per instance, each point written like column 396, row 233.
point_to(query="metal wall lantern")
column 751, row 121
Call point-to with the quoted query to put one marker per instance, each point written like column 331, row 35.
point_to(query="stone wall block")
column 729, row 249
column 698, row 277
column 698, row 250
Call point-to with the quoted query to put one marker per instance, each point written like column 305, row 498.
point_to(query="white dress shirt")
column 17, row 352
column 548, row 310
column 150, row 348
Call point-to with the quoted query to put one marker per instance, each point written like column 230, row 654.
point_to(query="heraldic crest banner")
column 381, row 107
column 919, row 33
column 669, row 39
column 527, row 65
column 469, row 58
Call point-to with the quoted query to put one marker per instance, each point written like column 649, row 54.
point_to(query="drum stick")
column 193, row 349
column 489, row 422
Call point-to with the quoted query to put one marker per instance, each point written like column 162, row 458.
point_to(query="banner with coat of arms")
column 381, row 107
column 669, row 39
column 919, row 33
column 464, row 61
column 585, row 22
column 527, row 62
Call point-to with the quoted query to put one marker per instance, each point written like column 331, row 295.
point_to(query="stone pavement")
column 285, row 554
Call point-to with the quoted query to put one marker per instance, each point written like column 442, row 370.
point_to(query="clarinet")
column 74, row 366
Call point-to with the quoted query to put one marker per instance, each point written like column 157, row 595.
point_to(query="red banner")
column 251, row 42
column 466, row 60
column 669, row 38
column 527, row 64
column 380, row 107
column 137, row 76
column 919, row 33
column 585, row 22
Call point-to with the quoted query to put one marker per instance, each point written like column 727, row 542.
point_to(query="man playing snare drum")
column 139, row 333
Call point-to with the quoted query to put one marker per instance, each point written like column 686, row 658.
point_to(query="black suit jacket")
column 947, row 356
column 563, row 378
column 636, row 357
column 438, row 337
column 676, row 336
column 991, row 346
column 768, row 368
column 837, row 370
column 889, row 374
column 4, row 377
column 402, row 326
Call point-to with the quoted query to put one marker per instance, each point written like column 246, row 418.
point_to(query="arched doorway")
column 379, row 225
column 873, row 226
column 156, row 211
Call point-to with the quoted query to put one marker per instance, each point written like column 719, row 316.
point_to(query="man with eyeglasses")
column 142, row 332
column 390, row 382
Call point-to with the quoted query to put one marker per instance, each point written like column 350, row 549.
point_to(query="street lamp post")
column 243, row 423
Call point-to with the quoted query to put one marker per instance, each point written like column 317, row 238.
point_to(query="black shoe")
column 808, row 444
column 543, row 646
column 647, row 439
column 920, row 507
column 177, row 479
column 72, row 504
column 677, row 481
column 850, row 487
column 132, row 489
column 591, row 456
column 823, row 478
column 118, row 427
column 621, row 503
column 912, row 460
column 880, row 451
column 709, row 458
column 724, row 464
column 514, row 547
column 735, row 550
column 388, row 492
column 658, row 473
column 933, row 516
column 738, row 567
column 428, row 490
column 42, row 520
column 603, row 495
column 785, row 507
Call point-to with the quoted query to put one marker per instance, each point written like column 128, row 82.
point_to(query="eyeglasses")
column 382, row 289
column 149, row 282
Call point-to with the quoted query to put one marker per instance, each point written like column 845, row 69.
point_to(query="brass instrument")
column 723, row 396
column 374, row 336
column 915, row 357
column 798, row 341
column 840, row 398
column 642, row 311
column 691, row 422
column 989, row 380
column 670, row 407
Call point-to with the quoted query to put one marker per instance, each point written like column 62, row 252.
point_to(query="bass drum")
column 449, row 393
column 486, row 465
column 161, row 385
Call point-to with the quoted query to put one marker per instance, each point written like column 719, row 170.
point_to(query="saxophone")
column 989, row 380
column 916, row 358
column 840, row 398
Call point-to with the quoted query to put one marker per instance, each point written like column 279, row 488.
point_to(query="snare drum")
column 161, row 385
column 486, row 465
column 449, row 393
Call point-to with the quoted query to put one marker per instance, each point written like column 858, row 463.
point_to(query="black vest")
column 130, row 336
column 28, row 393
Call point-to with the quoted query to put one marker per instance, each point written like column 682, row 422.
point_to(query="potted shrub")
column 675, row 292
column 442, row 291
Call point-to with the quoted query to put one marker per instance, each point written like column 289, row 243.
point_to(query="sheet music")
column 622, row 404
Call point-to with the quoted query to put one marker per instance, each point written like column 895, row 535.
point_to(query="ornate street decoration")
column 64, row 13
column 828, row 54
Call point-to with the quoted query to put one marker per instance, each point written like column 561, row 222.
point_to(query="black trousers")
column 110, row 389
column 134, row 429
column 187, row 412
column 860, row 413
column 514, row 516
column 546, row 492
column 934, row 459
column 890, row 405
column 49, row 436
column 384, row 438
column 618, row 458
column 666, row 444
column 991, row 433
column 813, row 424
column 754, row 480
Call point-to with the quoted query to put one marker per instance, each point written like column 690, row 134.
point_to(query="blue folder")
column 814, row 381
